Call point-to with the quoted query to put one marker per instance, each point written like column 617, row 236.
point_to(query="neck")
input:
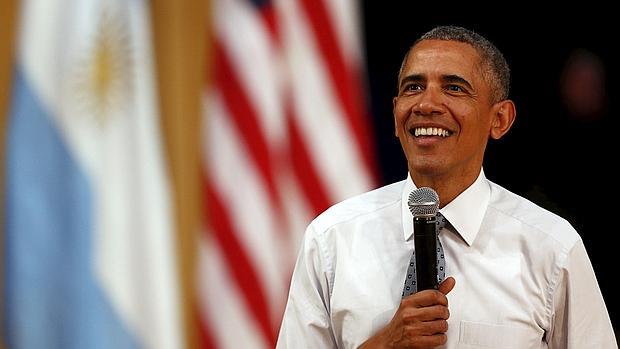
column 448, row 187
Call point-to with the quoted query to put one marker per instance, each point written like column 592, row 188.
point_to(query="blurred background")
column 160, row 160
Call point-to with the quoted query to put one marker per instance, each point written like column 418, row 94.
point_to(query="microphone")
column 423, row 204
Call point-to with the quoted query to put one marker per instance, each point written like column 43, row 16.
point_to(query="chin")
column 425, row 168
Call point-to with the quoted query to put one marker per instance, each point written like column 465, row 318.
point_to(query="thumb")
column 447, row 285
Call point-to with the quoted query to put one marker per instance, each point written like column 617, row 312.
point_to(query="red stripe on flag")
column 205, row 336
column 270, row 18
column 304, row 169
column 245, row 119
column 345, row 82
column 240, row 266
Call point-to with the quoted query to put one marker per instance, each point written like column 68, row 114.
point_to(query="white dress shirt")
column 523, row 278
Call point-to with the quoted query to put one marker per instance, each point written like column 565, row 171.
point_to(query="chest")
column 499, row 300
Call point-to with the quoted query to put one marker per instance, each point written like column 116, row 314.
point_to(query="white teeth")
column 430, row 131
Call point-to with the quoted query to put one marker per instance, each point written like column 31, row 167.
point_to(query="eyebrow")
column 458, row 79
column 411, row 78
column 450, row 78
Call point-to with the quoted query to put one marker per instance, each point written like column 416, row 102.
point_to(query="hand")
column 419, row 322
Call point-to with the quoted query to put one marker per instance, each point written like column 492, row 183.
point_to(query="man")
column 519, row 276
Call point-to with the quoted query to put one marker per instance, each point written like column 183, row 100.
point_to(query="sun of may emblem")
column 103, row 79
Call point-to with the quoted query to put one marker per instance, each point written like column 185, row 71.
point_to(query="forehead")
column 442, row 57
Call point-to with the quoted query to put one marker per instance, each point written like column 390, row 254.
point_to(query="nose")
column 429, row 102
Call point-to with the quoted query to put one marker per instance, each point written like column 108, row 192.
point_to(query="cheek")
column 468, row 117
column 401, row 111
column 461, row 111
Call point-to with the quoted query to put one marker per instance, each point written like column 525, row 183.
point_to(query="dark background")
column 559, row 159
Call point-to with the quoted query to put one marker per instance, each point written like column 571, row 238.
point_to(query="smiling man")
column 518, row 275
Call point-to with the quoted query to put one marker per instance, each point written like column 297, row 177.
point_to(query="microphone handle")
column 425, row 242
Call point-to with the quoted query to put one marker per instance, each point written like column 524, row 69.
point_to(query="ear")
column 394, row 115
column 504, row 114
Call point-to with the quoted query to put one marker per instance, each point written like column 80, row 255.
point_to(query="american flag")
column 286, row 134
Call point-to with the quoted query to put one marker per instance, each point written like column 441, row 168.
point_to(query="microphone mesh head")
column 423, row 201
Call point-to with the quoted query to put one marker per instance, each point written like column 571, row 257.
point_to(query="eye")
column 412, row 87
column 455, row 88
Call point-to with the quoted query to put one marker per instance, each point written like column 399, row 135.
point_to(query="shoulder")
column 533, row 219
column 368, row 205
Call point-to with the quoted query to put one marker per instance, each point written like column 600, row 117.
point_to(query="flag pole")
column 180, row 31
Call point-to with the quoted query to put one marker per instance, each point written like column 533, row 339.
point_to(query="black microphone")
column 423, row 204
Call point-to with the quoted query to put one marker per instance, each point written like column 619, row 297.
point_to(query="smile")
column 430, row 131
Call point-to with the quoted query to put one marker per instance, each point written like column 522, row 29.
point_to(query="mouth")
column 430, row 132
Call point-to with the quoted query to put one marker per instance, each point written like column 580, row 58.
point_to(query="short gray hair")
column 492, row 60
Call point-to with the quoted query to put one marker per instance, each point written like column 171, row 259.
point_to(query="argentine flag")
column 89, row 246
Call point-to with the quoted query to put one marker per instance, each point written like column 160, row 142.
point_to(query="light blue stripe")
column 52, row 297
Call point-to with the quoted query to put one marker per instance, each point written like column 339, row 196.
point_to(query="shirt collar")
column 465, row 212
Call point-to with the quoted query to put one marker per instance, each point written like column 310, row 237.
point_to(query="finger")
column 426, row 328
column 425, row 298
column 434, row 340
column 435, row 312
column 447, row 285
column 434, row 327
column 426, row 341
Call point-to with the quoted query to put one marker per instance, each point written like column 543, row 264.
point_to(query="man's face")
column 443, row 110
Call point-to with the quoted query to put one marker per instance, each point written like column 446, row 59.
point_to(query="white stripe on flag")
column 343, row 15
